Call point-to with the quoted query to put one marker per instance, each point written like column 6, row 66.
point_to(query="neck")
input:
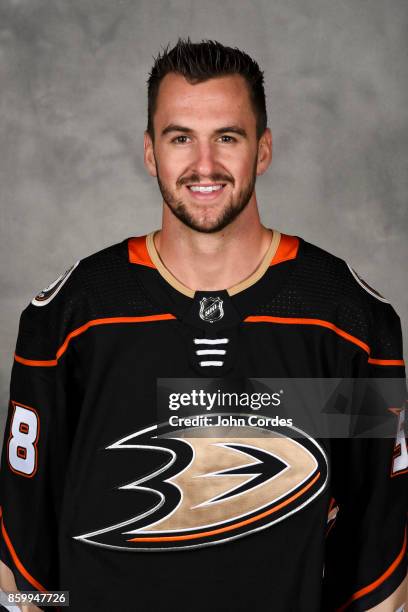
column 216, row 261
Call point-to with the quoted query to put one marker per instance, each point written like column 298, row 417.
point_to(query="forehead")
column 223, row 98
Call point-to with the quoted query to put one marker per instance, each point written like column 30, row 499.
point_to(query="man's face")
column 205, row 152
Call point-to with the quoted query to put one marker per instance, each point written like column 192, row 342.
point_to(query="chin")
column 205, row 221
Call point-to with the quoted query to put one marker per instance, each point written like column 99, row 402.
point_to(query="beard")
column 230, row 212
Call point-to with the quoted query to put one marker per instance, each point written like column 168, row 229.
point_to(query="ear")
column 149, row 159
column 264, row 152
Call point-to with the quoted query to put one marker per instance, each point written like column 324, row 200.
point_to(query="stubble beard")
column 231, row 211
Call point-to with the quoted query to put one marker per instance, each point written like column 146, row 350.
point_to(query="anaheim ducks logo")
column 212, row 489
column 211, row 309
column 366, row 286
column 46, row 295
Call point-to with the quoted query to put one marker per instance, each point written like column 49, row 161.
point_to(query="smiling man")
column 230, row 509
column 206, row 144
column 221, row 163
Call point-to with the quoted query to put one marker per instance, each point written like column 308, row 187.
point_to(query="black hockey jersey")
column 100, row 499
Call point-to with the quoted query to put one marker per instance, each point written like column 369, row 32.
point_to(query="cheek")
column 172, row 164
column 242, row 168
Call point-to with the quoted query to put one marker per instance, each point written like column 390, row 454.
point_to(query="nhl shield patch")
column 211, row 309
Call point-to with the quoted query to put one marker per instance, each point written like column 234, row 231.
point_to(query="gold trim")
column 244, row 284
column 261, row 269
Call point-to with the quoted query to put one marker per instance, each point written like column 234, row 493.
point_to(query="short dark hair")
column 198, row 62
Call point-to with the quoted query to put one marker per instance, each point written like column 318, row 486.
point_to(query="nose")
column 205, row 162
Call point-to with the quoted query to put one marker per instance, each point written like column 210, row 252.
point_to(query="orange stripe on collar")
column 138, row 253
column 287, row 249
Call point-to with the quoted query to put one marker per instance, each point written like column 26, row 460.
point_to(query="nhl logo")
column 211, row 309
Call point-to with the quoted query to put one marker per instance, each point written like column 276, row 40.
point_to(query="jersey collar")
column 142, row 251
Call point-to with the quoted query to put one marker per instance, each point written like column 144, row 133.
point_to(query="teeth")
column 205, row 189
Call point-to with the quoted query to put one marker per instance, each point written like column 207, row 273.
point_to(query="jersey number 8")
column 22, row 443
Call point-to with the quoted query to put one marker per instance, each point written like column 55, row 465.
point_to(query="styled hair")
column 198, row 62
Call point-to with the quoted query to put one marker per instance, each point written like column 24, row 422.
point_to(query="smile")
column 205, row 188
column 206, row 192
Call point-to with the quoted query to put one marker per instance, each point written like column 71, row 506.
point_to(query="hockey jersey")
column 100, row 498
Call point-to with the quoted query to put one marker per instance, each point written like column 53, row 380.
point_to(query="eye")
column 178, row 141
column 230, row 138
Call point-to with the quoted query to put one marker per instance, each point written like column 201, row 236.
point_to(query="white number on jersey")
column 400, row 462
column 22, row 444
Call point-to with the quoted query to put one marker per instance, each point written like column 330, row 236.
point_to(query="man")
column 99, row 495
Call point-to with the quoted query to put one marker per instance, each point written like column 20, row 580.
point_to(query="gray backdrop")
column 73, row 110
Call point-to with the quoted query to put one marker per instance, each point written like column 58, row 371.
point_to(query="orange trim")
column 193, row 536
column 330, row 527
column 35, row 362
column 107, row 321
column 287, row 249
column 86, row 326
column 138, row 253
column 369, row 588
column 399, row 473
column 322, row 323
column 332, row 502
column 169, row 316
column 387, row 362
column 319, row 322
column 333, row 505
column 17, row 561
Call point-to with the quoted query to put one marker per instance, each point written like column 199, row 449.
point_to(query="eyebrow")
column 235, row 129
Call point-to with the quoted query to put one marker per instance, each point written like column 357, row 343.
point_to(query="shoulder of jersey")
column 337, row 290
column 70, row 284
column 340, row 276
column 68, row 302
